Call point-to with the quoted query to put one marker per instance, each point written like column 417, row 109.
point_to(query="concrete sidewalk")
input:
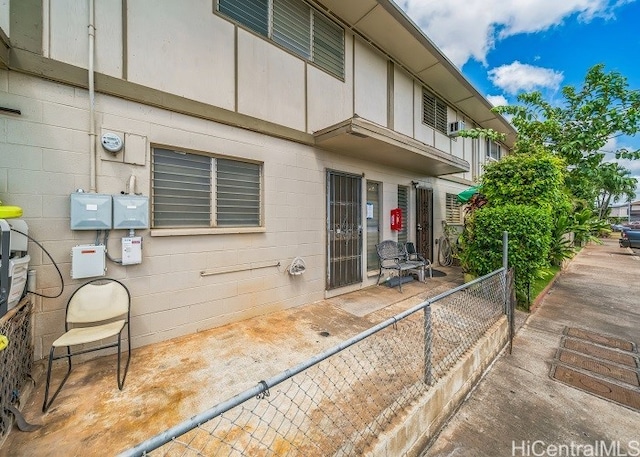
column 518, row 409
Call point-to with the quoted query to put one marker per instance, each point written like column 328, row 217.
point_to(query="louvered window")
column 193, row 190
column 294, row 25
column 453, row 212
column 328, row 45
column 253, row 14
column 434, row 112
column 237, row 193
column 403, row 204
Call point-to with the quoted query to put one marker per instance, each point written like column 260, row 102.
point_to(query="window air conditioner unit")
column 455, row 128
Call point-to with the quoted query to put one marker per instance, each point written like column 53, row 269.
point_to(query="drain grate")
column 599, row 387
column 600, row 367
column 609, row 341
column 592, row 350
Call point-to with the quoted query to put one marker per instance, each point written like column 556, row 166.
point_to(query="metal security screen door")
column 344, row 229
column 424, row 222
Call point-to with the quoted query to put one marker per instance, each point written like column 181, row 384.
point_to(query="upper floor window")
column 493, row 150
column 294, row 25
column 194, row 190
column 434, row 112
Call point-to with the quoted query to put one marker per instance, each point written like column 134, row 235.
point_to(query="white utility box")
column 131, row 250
column 88, row 260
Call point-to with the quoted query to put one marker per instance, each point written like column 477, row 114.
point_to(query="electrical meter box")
column 130, row 212
column 88, row 260
column 90, row 211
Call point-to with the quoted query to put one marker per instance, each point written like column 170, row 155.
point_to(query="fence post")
column 508, row 302
column 505, row 267
column 428, row 338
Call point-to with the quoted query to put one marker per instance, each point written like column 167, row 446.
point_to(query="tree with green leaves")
column 579, row 128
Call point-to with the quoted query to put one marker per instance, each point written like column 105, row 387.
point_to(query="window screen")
column 294, row 25
column 328, row 45
column 253, row 14
column 185, row 187
column 434, row 112
column 181, row 189
column 237, row 193
column 403, row 204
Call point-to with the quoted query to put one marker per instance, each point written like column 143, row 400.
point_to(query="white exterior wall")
column 187, row 51
column 194, row 53
column 403, row 100
column 370, row 84
column 271, row 82
column 44, row 157
column 329, row 99
column 4, row 16
column 422, row 132
column 67, row 36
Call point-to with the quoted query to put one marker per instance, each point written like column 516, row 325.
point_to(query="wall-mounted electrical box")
column 90, row 211
column 88, row 260
column 130, row 212
column 131, row 250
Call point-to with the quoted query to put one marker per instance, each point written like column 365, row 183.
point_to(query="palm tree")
column 613, row 181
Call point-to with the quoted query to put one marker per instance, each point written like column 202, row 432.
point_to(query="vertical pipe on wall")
column 92, row 123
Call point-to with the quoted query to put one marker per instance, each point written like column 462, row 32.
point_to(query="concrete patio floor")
column 174, row 380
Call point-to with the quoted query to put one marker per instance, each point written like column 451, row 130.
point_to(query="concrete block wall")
column 44, row 157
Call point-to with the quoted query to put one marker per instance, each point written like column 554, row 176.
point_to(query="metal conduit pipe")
column 92, row 123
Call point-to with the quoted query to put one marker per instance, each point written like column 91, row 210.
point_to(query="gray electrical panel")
column 130, row 212
column 90, row 211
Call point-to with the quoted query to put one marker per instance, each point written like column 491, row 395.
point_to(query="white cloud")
column 517, row 76
column 497, row 100
column 465, row 29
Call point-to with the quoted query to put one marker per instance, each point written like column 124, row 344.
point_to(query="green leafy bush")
column 529, row 228
column 522, row 179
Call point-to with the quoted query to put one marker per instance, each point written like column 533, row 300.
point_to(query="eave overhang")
column 365, row 140
column 385, row 26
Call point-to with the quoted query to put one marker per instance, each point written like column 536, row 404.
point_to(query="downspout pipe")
column 92, row 93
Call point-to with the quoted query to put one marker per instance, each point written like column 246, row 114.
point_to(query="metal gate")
column 344, row 229
column 424, row 222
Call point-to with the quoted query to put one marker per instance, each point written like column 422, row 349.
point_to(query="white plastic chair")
column 99, row 309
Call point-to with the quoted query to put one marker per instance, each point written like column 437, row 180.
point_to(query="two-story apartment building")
column 261, row 131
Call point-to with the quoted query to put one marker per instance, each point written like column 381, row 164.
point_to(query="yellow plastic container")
column 8, row 212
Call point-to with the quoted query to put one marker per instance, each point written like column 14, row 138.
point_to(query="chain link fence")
column 16, row 360
column 338, row 402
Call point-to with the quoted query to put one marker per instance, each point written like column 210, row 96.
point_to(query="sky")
column 504, row 47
